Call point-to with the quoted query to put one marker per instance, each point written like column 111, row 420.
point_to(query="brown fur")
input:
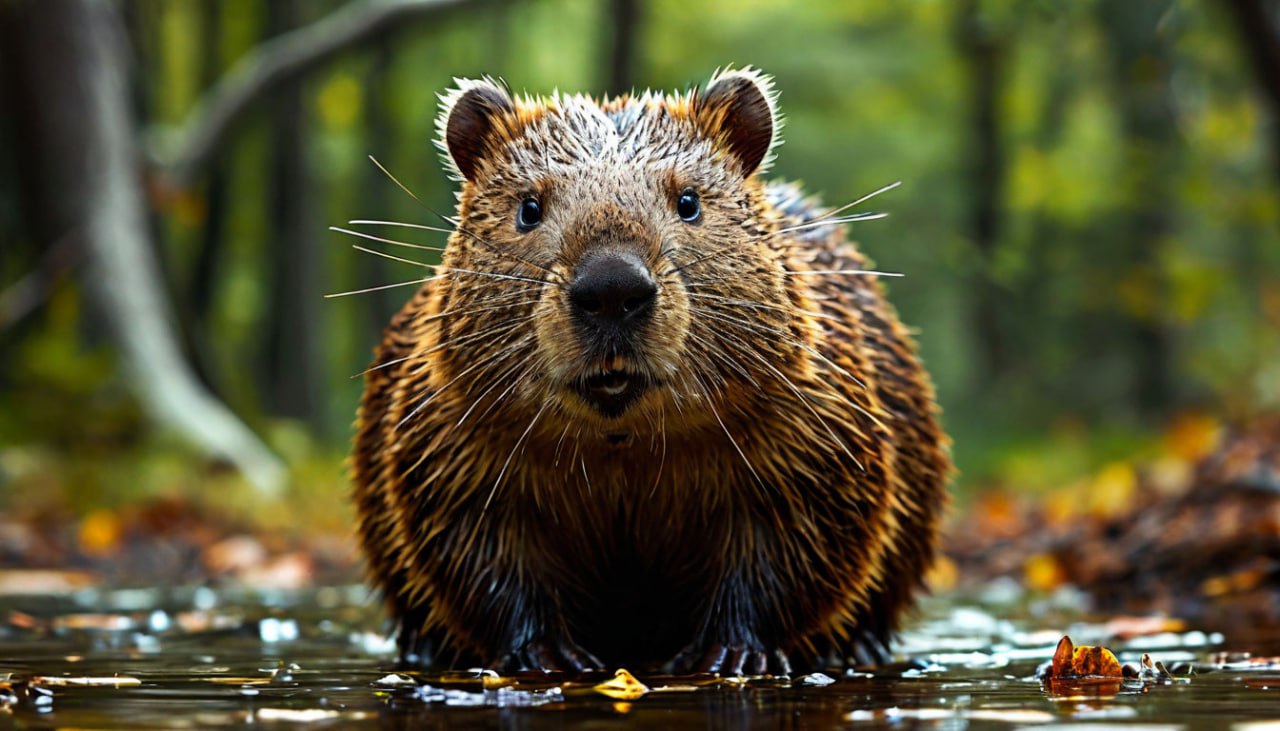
column 774, row 496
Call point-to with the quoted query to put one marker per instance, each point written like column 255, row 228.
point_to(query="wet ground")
column 200, row 658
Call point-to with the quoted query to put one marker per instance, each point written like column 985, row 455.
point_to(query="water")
column 196, row 658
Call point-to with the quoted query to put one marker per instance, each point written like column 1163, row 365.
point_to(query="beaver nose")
column 611, row 288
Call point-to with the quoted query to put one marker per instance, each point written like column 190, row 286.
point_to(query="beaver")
column 651, row 410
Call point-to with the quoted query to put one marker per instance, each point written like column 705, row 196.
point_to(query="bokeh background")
column 1088, row 220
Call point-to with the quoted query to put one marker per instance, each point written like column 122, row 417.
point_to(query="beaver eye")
column 688, row 207
column 529, row 215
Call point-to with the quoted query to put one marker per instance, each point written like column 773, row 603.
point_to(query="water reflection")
column 196, row 658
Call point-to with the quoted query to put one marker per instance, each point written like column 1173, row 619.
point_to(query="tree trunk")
column 624, row 28
column 68, row 69
column 984, row 54
column 1258, row 24
column 1142, row 73
column 381, row 304
column 293, row 358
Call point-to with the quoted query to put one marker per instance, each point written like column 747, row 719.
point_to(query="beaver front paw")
column 552, row 656
column 732, row 660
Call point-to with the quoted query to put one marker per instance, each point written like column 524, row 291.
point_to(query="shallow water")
column 199, row 658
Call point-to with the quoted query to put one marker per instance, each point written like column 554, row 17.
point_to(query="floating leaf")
column 623, row 686
column 1085, row 661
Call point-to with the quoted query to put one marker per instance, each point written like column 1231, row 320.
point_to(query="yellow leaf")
column 1111, row 491
column 623, row 687
column 1193, row 436
column 99, row 534
column 1042, row 572
column 1085, row 661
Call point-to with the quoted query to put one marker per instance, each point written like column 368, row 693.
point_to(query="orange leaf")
column 1085, row 661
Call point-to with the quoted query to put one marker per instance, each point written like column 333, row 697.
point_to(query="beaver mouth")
column 612, row 391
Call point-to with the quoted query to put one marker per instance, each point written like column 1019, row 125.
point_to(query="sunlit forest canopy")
column 1087, row 223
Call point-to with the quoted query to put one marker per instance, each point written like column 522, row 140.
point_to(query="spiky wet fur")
column 778, row 491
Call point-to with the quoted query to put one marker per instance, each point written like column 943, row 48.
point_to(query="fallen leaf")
column 1193, row 436
column 99, row 533
column 1043, row 573
column 623, row 686
column 1085, row 661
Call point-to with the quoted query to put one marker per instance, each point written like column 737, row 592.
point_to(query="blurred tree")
column 623, row 35
column 80, row 163
column 207, row 269
column 1258, row 23
column 292, row 362
column 1141, row 62
column 378, row 132
column 985, row 50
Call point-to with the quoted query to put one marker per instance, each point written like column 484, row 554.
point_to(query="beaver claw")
column 733, row 660
column 552, row 656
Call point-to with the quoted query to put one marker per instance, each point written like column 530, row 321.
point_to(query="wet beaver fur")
column 650, row 410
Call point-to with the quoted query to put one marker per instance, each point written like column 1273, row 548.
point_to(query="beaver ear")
column 737, row 111
column 472, row 116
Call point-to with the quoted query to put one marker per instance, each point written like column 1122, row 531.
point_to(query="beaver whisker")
column 714, row 412
column 785, row 338
column 585, row 477
column 497, row 275
column 662, row 461
column 503, row 472
column 444, row 269
column 514, row 382
column 382, row 240
column 730, row 248
column 469, row 369
column 746, row 349
column 366, row 290
column 482, row 334
column 863, row 199
column 392, row 257
column 832, row 222
column 758, row 305
column 441, row 346
column 402, row 224
column 824, row 272
column 424, row 280
column 499, row 378
column 560, row 442
column 782, row 335
column 714, row 351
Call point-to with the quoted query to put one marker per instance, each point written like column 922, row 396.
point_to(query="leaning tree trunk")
column 68, row 74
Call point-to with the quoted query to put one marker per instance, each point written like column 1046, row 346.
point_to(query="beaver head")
column 619, row 254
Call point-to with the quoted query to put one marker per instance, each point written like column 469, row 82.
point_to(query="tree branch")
column 277, row 62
